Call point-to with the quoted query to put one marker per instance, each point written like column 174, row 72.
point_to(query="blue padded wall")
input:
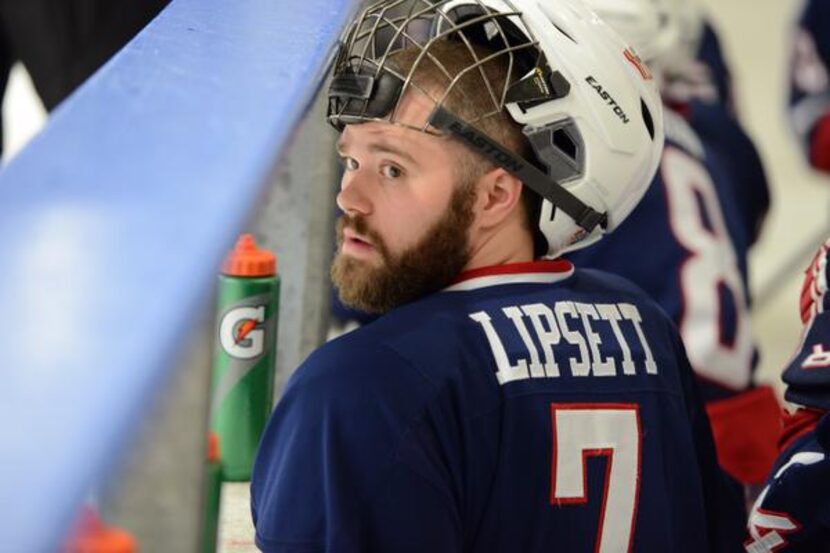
column 113, row 222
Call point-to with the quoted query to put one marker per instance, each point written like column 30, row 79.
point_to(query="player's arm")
column 329, row 476
column 793, row 511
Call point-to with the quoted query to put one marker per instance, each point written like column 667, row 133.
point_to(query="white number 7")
column 582, row 430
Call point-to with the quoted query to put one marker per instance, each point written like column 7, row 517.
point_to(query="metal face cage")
column 367, row 87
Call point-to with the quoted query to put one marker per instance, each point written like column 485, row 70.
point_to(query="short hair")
column 472, row 82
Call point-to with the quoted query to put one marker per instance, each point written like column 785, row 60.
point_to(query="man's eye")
column 391, row 172
column 349, row 163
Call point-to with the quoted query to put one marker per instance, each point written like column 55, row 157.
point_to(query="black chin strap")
column 584, row 215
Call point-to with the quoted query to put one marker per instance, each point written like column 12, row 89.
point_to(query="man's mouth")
column 356, row 244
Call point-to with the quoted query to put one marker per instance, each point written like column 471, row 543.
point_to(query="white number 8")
column 710, row 269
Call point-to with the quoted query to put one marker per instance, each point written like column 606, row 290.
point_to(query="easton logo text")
column 618, row 111
column 486, row 148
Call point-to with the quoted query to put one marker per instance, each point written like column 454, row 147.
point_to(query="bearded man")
column 504, row 401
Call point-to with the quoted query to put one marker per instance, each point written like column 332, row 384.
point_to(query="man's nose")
column 353, row 198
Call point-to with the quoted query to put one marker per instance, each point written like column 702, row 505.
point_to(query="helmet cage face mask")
column 360, row 90
column 366, row 88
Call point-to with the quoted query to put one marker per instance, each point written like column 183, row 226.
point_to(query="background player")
column 810, row 84
column 792, row 513
column 686, row 243
column 500, row 403
column 697, row 68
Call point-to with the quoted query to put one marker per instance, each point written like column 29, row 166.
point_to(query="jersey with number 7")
column 527, row 408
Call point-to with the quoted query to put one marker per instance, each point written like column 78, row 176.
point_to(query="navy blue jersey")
column 686, row 245
column 808, row 373
column 697, row 230
column 526, row 408
column 744, row 174
column 810, row 82
column 793, row 511
column 711, row 55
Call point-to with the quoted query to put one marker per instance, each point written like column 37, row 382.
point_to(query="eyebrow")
column 382, row 147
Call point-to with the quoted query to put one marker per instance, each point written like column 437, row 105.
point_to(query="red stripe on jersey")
column 541, row 266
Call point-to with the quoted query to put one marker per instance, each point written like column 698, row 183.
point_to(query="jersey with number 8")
column 686, row 245
column 713, row 321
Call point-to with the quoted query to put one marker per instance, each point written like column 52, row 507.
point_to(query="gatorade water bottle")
column 243, row 367
column 213, row 495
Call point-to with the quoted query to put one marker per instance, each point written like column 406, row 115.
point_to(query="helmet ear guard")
column 548, row 188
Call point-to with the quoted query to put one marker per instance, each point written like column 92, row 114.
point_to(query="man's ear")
column 499, row 196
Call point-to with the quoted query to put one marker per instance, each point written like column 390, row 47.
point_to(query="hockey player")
column 810, row 83
column 697, row 220
column 793, row 511
column 697, row 68
column 501, row 403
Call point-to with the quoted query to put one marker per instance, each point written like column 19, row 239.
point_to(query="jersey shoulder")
column 362, row 359
column 333, row 437
column 611, row 285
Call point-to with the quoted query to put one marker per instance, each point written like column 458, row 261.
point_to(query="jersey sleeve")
column 793, row 511
column 344, row 465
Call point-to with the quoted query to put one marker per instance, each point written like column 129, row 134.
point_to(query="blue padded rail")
column 113, row 223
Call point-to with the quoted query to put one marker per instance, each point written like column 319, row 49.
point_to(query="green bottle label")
column 243, row 372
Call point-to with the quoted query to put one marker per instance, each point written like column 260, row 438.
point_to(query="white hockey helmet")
column 587, row 105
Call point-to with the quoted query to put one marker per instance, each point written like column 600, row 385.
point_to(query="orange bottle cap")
column 247, row 260
column 93, row 536
column 213, row 447
column 104, row 540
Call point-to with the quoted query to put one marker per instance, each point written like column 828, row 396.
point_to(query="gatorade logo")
column 241, row 333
